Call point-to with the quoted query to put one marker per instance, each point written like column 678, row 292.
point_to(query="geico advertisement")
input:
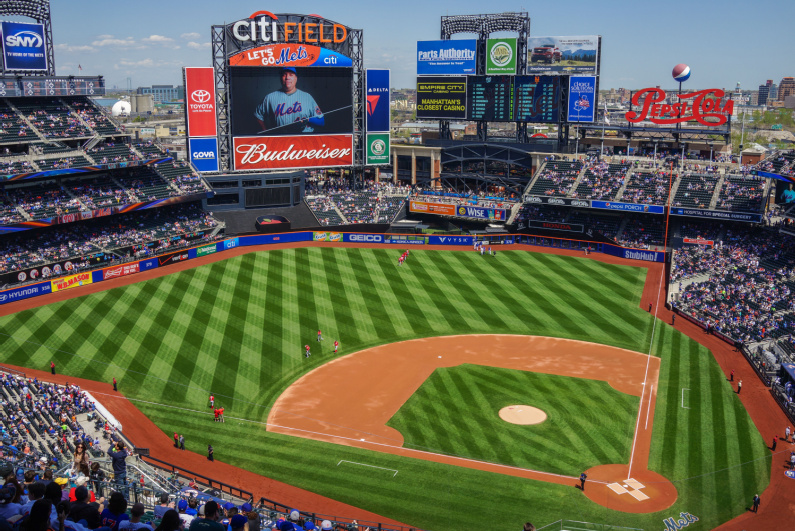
column 286, row 152
column 363, row 238
column 80, row 279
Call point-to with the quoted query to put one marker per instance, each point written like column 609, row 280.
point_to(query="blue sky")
column 723, row 42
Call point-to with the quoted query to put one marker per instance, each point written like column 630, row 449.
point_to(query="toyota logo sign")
column 200, row 96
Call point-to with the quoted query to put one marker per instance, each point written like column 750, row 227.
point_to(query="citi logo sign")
column 25, row 39
column 375, row 238
column 203, row 154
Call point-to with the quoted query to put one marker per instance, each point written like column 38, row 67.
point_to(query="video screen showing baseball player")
column 290, row 101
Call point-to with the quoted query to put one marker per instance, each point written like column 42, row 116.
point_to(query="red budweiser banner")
column 200, row 101
column 702, row 106
column 290, row 152
column 120, row 271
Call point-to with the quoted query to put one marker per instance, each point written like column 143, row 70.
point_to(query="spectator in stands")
column 238, row 522
column 208, row 523
column 40, row 517
column 118, row 455
column 134, row 523
column 97, row 478
column 35, row 492
column 80, row 463
column 164, row 506
column 7, row 506
column 171, row 522
column 115, row 512
column 253, row 518
column 83, row 509
column 182, row 507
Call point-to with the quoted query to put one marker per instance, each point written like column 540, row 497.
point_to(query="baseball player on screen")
column 289, row 110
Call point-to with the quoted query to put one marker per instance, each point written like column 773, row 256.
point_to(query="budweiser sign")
column 120, row 271
column 288, row 152
column 703, row 106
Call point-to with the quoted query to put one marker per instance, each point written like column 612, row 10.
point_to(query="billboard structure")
column 582, row 98
column 289, row 93
column 27, row 46
column 564, row 55
column 447, row 58
column 501, row 56
column 378, row 117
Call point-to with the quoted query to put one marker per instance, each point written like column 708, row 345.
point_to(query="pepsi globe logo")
column 681, row 72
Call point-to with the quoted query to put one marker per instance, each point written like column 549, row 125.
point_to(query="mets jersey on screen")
column 280, row 109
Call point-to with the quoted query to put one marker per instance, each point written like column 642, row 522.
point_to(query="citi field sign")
column 703, row 106
column 265, row 27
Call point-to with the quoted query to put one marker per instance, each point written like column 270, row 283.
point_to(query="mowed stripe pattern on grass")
column 456, row 412
column 238, row 327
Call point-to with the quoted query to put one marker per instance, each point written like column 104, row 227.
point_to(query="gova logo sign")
column 26, row 39
column 264, row 26
column 702, row 106
column 203, row 155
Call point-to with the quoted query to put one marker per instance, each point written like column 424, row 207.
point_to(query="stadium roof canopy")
column 37, row 9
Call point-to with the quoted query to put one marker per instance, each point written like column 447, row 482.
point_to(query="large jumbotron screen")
column 291, row 117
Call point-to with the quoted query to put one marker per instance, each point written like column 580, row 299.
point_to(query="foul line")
column 648, row 410
column 371, row 466
column 683, row 397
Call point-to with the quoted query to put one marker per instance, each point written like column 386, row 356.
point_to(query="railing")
column 212, row 483
column 276, row 510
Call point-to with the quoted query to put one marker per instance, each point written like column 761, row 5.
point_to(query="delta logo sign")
column 377, row 100
column 288, row 43
column 703, row 106
column 23, row 46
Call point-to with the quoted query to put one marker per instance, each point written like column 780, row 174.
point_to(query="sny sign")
column 696, row 106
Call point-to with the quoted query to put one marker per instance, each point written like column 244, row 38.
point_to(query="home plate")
column 617, row 488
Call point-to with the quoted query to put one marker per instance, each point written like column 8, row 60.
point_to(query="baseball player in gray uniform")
column 289, row 110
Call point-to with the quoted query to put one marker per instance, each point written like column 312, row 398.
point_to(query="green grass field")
column 237, row 328
column 456, row 412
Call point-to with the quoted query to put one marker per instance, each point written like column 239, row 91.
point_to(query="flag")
column 607, row 118
column 79, row 68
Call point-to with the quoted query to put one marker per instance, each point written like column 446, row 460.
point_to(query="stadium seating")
column 108, row 153
column 643, row 232
column 98, row 192
column 13, row 127
column 52, row 118
column 43, row 199
column 601, row 181
column 323, row 208
column 358, row 207
column 556, row 178
column 741, row 194
column 605, row 224
column 182, row 176
column 151, row 230
column 94, row 116
column 146, row 185
column 648, row 188
column 695, row 190
column 64, row 162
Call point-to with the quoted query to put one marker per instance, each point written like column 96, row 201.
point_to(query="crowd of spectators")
column 601, row 180
column 153, row 230
column 648, row 187
column 748, row 295
column 643, row 232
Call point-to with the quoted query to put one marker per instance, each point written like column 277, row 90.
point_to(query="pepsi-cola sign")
column 24, row 46
column 703, row 106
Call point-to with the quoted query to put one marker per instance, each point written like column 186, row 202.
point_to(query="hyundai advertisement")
column 24, row 46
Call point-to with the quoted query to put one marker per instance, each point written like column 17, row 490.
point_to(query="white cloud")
column 69, row 48
column 198, row 45
column 157, row 39
column 143, row 62
column 192, row 35
column 110, row 40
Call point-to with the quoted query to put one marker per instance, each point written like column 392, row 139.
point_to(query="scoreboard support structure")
column 483, row 26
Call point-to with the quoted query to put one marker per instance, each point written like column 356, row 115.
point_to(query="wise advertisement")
column 475, row 212
column 200, row 101
column 378, row 118
column 204, row 154
column 501, row 56
column 290, row 152
column 442, row 97
column 72, row 281
column 564, row 55
column 582, row 98
column 24, row 46
column 377, row 148
column 289, row 54
column 446, row 58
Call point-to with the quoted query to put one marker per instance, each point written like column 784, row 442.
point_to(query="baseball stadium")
column 571, row 332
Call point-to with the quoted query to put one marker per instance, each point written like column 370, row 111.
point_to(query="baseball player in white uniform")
column 289, row 110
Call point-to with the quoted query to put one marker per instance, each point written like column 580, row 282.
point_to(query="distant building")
column 163, row 93
column 786, row 88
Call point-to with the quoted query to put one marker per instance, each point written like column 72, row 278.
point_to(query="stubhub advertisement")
column 204, row 154
column 23, row 46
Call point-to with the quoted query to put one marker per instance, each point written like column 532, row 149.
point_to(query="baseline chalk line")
column 371, row 466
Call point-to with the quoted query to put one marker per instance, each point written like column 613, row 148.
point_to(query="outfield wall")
column 130, row 268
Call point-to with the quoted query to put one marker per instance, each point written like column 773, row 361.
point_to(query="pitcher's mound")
column 522, row 415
